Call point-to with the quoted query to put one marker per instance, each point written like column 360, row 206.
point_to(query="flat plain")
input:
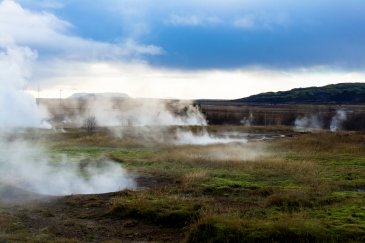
column 281, row 185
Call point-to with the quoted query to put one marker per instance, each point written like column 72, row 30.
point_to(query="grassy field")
column 305, row 187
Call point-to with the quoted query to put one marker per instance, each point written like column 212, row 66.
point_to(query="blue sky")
column 293, row 43
column 228, row 34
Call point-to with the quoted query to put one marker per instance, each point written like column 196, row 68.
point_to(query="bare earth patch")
column 80, row 217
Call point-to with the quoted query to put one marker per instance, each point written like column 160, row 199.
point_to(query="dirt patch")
column 154, row 181
column 84, row 217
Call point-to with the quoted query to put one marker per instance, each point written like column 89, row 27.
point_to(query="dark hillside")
column 343, row 93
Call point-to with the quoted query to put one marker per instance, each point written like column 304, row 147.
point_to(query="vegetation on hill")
column 343, row 93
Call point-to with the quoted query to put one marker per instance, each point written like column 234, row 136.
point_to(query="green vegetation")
column 301, row 188
column 235, row 229
column 162, row 210
column 344, row 93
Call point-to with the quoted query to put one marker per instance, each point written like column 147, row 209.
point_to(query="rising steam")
column 112, row 111
column 148, row 120
column 31, row 169
column 17, row 108
column 204, row 138
column 316, row 122
column 308, row 123
column 143, row 112
column 337, row 120
column 28, row 166
column 247, row 121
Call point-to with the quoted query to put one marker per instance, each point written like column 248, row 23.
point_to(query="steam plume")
column 28, row 166
column 111, row 112
column 204, row 138
column 31, row 169
column 308, row 123
column 337, row 120
column 17, row 108
column 148, row 120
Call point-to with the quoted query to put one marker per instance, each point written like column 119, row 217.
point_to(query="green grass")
column 234, row 229
column 162, row 210
column 305, row 188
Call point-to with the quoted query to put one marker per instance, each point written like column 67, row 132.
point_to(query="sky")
column 220, row 49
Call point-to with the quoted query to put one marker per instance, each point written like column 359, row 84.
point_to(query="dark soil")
column 83, row 218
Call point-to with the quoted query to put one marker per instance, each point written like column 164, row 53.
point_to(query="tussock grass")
column 326, row 143
column 157, row 208
column 228, row 228
column 195, row 176
column 275, row 195
column 308, row 187
column 226, row 154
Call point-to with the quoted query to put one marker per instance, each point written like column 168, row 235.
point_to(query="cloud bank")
column 224, row 49
column 53, row 36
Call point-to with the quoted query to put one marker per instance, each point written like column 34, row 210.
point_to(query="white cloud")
column 43, row 4
column 192, row 20
column 261, row 21
column 184, row 20
column 244, row 22
column 88, row 65
column 44, row 31
column 142, row 80
column 21, row 25
column 134, row 47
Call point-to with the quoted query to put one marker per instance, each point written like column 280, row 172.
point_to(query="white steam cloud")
column 308, row 123
column 204, row 138
column 31, row 169
column 315, row 122
column 337, row 120
column 17, row 108
column 143, row 112
column 247, row 121
column 27, row 166
column 148, row 120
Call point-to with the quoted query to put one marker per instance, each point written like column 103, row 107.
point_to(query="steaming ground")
column 110, row 111
column 27, row 165
column 32, row 169
column 315, row 122
column 204, row 138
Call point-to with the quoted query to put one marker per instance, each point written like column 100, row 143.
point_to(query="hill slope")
column 343, row 93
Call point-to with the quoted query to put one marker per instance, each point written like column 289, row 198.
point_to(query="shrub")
column 90, row 124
